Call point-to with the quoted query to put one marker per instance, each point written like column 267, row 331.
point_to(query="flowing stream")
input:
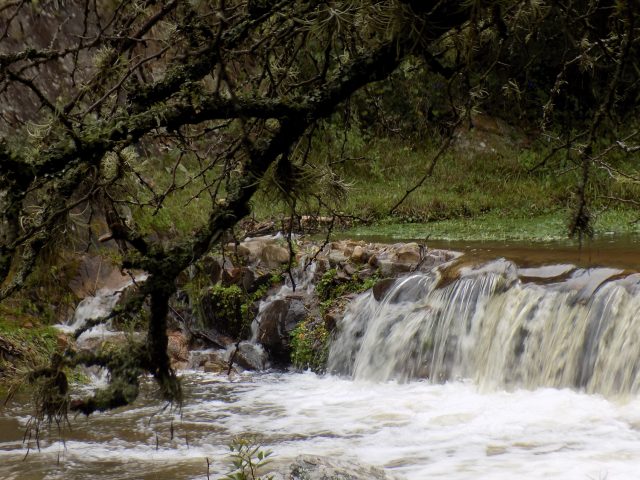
column 472, row 371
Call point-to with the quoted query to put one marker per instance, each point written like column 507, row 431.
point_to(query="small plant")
column 310, row 345
column 247, row 458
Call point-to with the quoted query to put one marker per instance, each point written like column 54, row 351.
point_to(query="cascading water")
column 493, row 326
column 499, row 327
column 97, row 306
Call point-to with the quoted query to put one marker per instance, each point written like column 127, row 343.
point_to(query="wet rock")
column 271, row 324
column 381, row 288
column 308, row 467
column 277, row 320
column 216, row 365
column 95, row 273
column 178, row 349
column 331, row 319
column 249, row 356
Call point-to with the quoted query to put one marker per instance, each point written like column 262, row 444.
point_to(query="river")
column 415, row 430
column 537, row 372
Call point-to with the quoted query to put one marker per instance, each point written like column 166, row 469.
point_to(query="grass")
column 483, row 188
column 476, row 192
column 494, row 226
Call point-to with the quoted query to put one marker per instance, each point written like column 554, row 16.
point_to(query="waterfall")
column 499, row 326
column 97, row 306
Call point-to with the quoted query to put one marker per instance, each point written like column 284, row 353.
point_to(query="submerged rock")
column 308, row 467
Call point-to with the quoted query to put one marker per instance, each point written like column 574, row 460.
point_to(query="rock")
column 274, row 255
column 95, row 273
column 331, row 319
column 232, row 276
column 308, row 467
column 242, row 251
column 381, row 288
column 253, row 246
column 178, row 349
column 276, row 322
column 221, row 310
column 264, row 250
column 248, row 278
column 359, row 254
column 336, row 258
column 249, row 356
column 365, row 273
column 259, row 282
column 62, row 341
column 373, row 261
column 349, row 269
column 212, row 337
column 390, row 268
column 93, row 342
column 216, row 365
column 271, row 323
column 408, row 253
column 212, row 268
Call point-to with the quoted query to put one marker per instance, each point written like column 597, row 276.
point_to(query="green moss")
column 332, row 286
column 23, row 350
column 310, row 345
column 221, row 308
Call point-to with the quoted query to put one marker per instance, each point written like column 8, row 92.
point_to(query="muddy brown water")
column 414, row 430
column 605, row 251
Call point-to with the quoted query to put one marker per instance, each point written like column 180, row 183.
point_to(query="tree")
column 93, row 91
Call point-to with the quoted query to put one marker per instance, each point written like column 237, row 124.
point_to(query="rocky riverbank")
column 266, row 302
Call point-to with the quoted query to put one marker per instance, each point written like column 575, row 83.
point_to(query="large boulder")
column 276, row 321
column 265, row 251
column 221, row 310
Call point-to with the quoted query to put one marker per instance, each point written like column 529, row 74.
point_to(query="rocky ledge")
column 268, row 302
